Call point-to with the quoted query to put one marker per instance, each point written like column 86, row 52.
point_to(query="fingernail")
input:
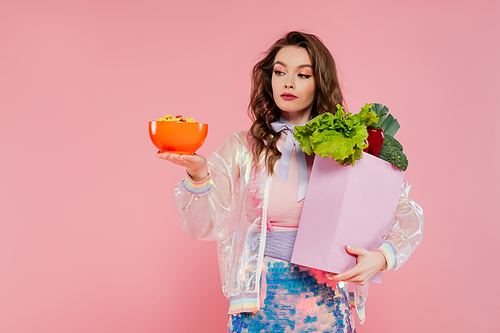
column 348, row 247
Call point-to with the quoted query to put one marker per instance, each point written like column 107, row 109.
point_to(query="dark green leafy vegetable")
column 392, row 152
column 386, row 121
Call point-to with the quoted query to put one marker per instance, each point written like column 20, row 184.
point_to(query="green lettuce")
column 340, row 136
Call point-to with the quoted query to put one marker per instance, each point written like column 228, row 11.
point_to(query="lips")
column 288, row 96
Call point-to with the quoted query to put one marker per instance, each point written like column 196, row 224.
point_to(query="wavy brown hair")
column 262, row 108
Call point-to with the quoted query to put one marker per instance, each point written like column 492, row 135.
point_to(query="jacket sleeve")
column 403, row 236
column 204, row 208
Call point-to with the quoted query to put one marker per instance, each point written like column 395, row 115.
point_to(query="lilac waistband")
column 279, row 244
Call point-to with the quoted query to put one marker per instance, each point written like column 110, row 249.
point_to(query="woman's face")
column 293, row 84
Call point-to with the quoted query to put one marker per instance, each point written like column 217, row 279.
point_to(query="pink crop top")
column 284, row 211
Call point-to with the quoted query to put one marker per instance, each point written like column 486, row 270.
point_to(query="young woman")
column 248, row 196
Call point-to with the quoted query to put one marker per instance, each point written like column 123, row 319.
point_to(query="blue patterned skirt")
column 294, row 301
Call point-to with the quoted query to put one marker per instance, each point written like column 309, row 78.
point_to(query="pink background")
column 89, row 240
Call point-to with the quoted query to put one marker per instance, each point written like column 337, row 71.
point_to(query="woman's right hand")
column 196, row 165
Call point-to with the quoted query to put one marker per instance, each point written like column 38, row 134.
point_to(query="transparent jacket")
column 232, row 212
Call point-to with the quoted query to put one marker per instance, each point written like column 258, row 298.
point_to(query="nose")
column 289, row 84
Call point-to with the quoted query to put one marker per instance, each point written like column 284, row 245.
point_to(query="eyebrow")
column 300, row 66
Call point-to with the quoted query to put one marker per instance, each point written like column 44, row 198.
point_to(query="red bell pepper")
column 375, row 140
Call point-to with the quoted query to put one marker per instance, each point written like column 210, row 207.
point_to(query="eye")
column 278, row 72
column 304, row 76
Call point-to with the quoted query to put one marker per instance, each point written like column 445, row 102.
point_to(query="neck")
column 297, row 118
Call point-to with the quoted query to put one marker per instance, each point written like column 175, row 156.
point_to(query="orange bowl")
column 178, row 138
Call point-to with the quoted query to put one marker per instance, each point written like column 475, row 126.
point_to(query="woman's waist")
column 284, row 227
column 280, row 244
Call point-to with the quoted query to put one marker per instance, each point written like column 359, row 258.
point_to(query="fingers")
column 330, row 276
column 196, row 165
column 347, row 275
column 174, row 158
column 177, row 158
column 357, row 251
column 361, row 273
column 353, row 275
column 168, row 156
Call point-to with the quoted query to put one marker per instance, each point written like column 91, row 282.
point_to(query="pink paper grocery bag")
column 345, row 205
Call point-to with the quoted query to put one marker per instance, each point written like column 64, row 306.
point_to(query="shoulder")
column 236, row 142
column 239, row 138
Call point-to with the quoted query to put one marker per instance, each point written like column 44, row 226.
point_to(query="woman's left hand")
column 368, row 264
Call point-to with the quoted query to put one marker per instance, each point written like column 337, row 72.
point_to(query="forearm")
column 405, row 234
column 192, row 205
column 201, row 205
